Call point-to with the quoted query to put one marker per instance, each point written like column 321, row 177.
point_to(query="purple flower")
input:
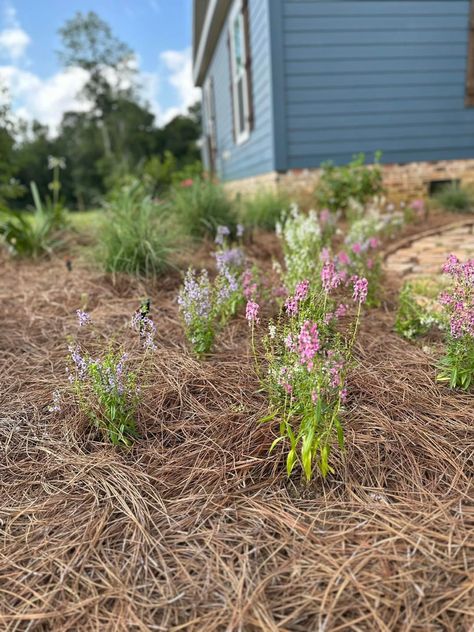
column 195, row 297
column 251, row 312
column 56, row 405
column 83, row 318
column 79, row 361
column 222, row 233
column 145, row 326
column 229, row 258
column 360, row 289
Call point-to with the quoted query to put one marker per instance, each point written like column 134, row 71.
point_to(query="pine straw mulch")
column 196, row 527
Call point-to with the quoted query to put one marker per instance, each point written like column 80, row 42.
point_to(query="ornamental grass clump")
column 308, row 351
column 457, row 365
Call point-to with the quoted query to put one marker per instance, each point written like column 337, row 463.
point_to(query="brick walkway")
column 426, row 255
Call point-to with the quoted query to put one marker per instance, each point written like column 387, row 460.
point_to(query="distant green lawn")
column 85, row 221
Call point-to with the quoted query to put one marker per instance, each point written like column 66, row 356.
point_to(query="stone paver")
column 427, row 255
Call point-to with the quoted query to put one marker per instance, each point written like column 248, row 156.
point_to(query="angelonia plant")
column 106, row 388
column 207, row 305
column 301, row 239
column 457, row 366
column 308, row 350
column 418, row 311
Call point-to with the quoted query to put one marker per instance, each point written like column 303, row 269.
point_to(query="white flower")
column 272, row 331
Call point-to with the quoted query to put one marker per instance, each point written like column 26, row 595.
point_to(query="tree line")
column 115, row 137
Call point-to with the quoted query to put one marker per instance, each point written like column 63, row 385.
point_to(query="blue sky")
column 159, row 31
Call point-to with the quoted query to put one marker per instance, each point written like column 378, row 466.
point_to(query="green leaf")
column 267, row 418
column 275, row 443
column 340, row 433
column 290, row 461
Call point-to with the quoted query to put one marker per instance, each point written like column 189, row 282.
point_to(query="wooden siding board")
column 363, row 75
column 254, row 156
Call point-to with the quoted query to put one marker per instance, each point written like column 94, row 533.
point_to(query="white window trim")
column 240, row 137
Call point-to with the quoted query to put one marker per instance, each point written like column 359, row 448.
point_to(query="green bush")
column 455, row 199
column 136, row 236
column 263, row 210
column 199, row 207
column 27, row 234
column 339, row 187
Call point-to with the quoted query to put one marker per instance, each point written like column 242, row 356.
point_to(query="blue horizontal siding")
column 255, row 156
column 363, row 75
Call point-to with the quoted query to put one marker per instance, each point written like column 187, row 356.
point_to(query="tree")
column 88, row 42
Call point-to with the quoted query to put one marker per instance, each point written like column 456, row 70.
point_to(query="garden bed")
column 196, row 527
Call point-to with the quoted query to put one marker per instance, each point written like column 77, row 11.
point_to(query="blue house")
column 289, row 84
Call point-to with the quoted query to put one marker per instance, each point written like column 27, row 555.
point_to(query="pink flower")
column 356, row 248
column 360, row 289
column 341, row 311
column 187, row 183
column 251, row 312
column 330, row 277
column 344, row 258
column 301, row 291
column 370, row 263
column 291, row 306
column 324, row 256
column 324, row 216
column 308, row 343
column 314, row 397
column 373, row 242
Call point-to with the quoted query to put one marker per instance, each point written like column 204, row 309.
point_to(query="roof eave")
column 206, row 43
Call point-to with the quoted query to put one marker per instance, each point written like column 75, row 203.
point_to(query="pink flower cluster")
column 301, row 293
column 360, row 288
column 249, row 286
column 331, row 277
column 459, row 300
column 251, row 312
column 308, row 343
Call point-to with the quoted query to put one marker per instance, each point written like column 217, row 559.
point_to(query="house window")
column 470, row 59
column 240, row 71
column 210, row 128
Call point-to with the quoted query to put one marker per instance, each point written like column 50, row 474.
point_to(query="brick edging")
column 408, row 241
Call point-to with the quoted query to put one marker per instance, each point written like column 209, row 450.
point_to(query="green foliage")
column 199, row 207
column 357, row 183
column 456, row 368
column 456, row 199
column 417, row 310
column 136, row 236
column 32, row 235
column 28, row 234
column 263, row 210
column 161, row 172
column 107, row 394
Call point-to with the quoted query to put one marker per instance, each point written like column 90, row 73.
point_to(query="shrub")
column 357, row 183
column 263, row 210
column 198, row 207
column 136, row 235
column 457, row 365
column 455, row 199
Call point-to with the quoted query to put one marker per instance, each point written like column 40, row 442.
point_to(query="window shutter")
column 470, row 59
column 231, row 88
column 248, row 62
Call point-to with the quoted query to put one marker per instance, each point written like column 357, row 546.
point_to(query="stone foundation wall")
column 403, row 182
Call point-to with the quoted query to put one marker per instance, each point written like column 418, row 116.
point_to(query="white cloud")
column 45, row 100
column 13, row 39
column 14, row 42
column 178, row 67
